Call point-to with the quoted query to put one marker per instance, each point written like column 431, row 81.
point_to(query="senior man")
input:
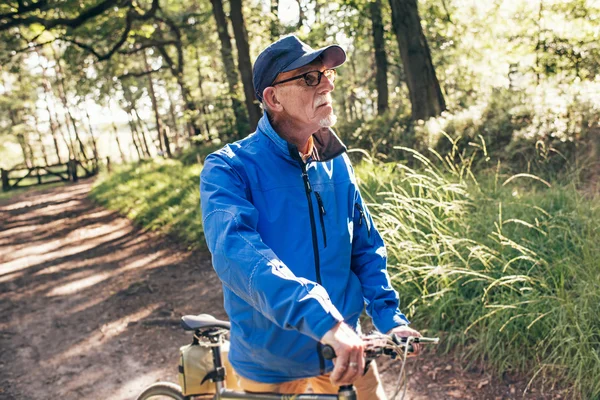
column 291, row 239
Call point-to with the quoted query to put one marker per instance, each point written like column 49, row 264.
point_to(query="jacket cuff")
column 389, row 321
column 325, row 325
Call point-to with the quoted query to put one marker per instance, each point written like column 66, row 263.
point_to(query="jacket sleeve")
column 369, row 263
column 247, row 266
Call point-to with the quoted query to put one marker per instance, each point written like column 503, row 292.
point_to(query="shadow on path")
column 89, row 304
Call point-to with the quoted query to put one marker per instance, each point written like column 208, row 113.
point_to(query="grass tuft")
column 507, row 274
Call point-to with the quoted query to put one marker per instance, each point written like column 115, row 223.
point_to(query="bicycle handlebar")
column 378, row 344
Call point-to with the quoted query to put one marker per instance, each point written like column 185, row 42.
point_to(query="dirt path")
column 90, row 306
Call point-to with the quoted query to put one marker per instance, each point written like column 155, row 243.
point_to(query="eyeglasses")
column 312, row 78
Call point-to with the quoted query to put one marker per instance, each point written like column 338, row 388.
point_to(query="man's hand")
column 405, row 331
column 349, row 363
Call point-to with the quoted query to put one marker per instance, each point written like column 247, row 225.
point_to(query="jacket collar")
column 327, row 145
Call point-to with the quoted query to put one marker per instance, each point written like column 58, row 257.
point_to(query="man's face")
column 306, row 105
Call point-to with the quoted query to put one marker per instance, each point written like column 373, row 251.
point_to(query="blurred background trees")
column 137, row 79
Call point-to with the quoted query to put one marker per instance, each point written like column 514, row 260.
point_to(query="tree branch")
column 147, row 45
column 140, row 74
column 32, row 46
column 447, row 12
column 175, row 29
column 116, row 46
column 29, row 47
column 168, row 59
column 22, row 9
column 8, row 21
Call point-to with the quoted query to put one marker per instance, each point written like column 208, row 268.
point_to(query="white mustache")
column 322, row 100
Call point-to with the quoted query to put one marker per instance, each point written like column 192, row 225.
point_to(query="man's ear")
column 270, row 97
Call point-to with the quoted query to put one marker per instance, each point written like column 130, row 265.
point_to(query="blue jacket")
column 296, row 250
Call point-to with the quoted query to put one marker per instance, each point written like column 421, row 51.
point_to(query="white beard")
column 328, row 121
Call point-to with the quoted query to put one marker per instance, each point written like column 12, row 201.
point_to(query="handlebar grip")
column 421, row 339
column 328, row 352
column 428, row 340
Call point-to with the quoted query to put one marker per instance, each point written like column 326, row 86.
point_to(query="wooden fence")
column 69, row 171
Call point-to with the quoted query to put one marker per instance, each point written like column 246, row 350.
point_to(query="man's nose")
column 326, row 85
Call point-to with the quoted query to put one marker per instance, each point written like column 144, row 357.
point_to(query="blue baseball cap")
column 287, row 54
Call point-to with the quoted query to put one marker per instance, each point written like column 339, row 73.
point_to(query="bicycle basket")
column 195, row 362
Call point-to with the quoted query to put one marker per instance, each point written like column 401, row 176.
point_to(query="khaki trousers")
column 368, row 387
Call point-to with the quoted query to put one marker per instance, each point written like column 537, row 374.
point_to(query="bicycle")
column 211, row 332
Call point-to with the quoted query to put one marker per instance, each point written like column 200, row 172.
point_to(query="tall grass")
column 504, row 268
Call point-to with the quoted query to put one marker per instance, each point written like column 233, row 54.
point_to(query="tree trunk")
column 53, row 129
column 174, row 120
column 63, row 96
column 54, row 124
column 135, row 135
column 166, row 139
column 540, row 47
column 275, row 28
column 204, row 108
column 159, row 128
column 301, row 14
column 143, row 130
column 66, row 137
column 134, row 140
column 26, row 154
column 242, row 124
column 94, row 143
column 425, row 93
column 68, row 141
column 59, row 127
column 116, row 131
column 40, row 138
column 21, row 139
column 244, row 62
column 51, row 123
column 121, row 153
column 177, row 72
column 56, row 148
column 380, row 60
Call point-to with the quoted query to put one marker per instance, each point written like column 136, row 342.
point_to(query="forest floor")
column 90, row 307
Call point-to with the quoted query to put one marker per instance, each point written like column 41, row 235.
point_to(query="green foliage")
column 550, row 131
column 197, row 154
column 503, row 268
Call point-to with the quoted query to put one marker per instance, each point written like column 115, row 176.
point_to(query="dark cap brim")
column 333, row 57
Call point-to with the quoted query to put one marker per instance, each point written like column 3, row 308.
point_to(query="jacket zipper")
column 321, row 217
column 361, row 217
column 313, row 228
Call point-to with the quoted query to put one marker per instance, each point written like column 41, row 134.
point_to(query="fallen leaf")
column 457, row 394
column 483, row 383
